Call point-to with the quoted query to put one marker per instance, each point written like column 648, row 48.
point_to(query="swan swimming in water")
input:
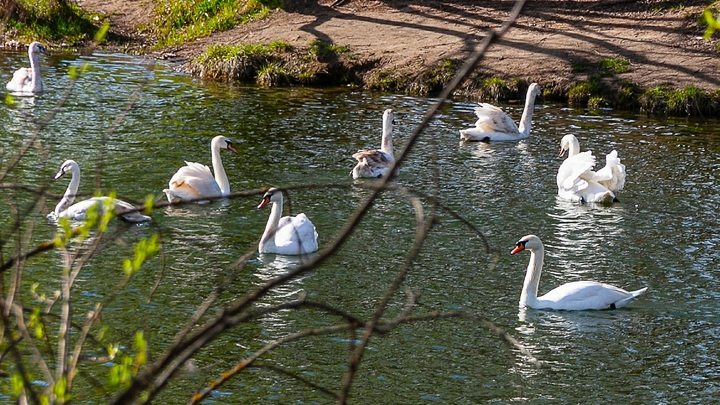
column 195, row 182
column 577, row 181
column 612, row 176
column 375, row 163
column 78, row 212
column 495, row 125
column 575, row 296
column 28, row 80
column 287, row 235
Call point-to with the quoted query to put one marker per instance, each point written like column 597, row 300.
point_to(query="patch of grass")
column 609, row 67
column 47, row 20
column 319, row 49
column 179, row 21
column 687, row 101
column 581, row 93
column 274, row 64
column 386, row 81
column 494, row 89
column 272, row 74
column 578, row 68
column 597, row 102
column 434, row 80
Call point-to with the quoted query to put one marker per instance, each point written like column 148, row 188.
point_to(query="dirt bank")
column 554, row 43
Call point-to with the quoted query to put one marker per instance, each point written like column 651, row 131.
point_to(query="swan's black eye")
column 521, row 243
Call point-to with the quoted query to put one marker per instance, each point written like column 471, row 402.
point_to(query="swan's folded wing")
column 493, row 119
column 21, row 78
column 374, row 158
column 195, row 178
column 296, row 230
column 570, row 171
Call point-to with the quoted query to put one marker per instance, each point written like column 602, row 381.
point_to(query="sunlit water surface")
column 663, row 234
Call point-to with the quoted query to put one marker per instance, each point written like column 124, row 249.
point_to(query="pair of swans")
column 575, row 296
column 195, row 183
column 577, row 181
column 28, row 80
column 377, row 162
column 495, row 125
column 79, row 211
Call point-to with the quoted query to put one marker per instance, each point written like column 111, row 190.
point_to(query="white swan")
column 375, row 163
column 28, row 80
column 612, row 176
column 195, row 182
column 575, row 296
column 78, row 212
column 578, row 183
column 494, row 125
column 287, row 235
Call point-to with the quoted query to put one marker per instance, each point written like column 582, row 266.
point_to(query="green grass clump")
column 687, row 101
column 272, row 74
column 385, row 81
column 615, row 66
column 274, row 64
column 47, row 20
column 597, row 102
column 179, row 21
column 494, row 89
column 434, row 80
column 581, row 93
column 319, row 49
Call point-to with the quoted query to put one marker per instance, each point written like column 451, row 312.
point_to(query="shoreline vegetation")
column 177, row 23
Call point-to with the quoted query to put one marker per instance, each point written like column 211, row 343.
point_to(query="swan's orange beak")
column 59, row 174
column 264, row 202
column 518, row 248
column 562, row 152
column 231, row 148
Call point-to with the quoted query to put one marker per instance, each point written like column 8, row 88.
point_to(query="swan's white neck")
column 35, row 81
column 70, row 193
column 532, row 277
column 387, row 143
column 526, row 119
column 573, row 147
column 268, row 237
column 220, row 176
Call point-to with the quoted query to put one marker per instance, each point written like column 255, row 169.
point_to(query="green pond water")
column 663, row 235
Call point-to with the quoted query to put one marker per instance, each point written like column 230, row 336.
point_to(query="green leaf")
column 712, row 23
column 102, row 32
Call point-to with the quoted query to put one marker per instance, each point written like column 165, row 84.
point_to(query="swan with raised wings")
column 612, row 176
column 287, row 235
column 78, row 212
column 574, row 296
column 577, row 181
column 28, row 80
column 195, row 182
column 375, row 163
column 494, row 124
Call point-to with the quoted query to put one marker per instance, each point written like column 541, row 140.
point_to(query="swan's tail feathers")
column 128, row 213
column 473, row 134
column 632, row 296
column 361, row 169
column 605, row 198
column 134, row 217
column 172, row 198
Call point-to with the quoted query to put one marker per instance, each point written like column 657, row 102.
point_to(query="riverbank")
column 632, row 55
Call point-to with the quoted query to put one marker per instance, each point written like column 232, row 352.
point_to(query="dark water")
column 661, row 349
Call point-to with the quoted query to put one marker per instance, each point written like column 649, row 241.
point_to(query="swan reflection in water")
column 269, row 267
column 584, row 233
